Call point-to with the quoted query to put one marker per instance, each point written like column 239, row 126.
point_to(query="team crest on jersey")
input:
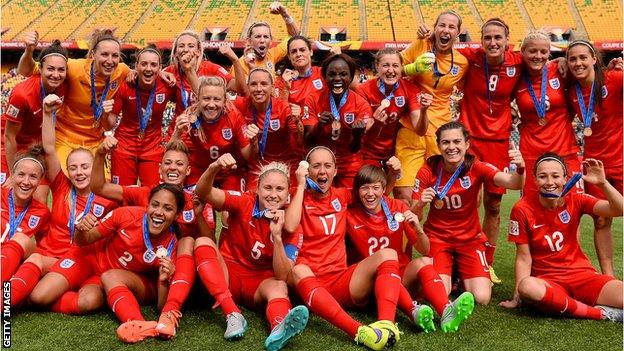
column 336, row 204
column 455, row 70
column 114, row 85
column 604, row 91
column 349, row 117
column 276, row 92
column 12, row 111
column 115, row 179
column 226, row 133
column 275, row 124
column 188, row 215
column 399, row 101
column 306, row 112
column 514, row 228
column 564, row 216
column 160, row 98
column 416, row 185
column 465, row 182
column 317, row 84
column 149, row 256
column 2, row 178
column 98, row 210
column 393, row 225
column 511, row 71
column 554, row 83
column 67, row 263
column 33, row 221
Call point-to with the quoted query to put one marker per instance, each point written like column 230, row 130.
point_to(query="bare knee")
column 112, row 278
column 491, row 204
column 204, row 241
column 26, row 243
column 276, row 288
column 602, row 223
column 36, row 259
column 186, row 245
column 482, row 296
column 90, row 300
column 300, row 272
column 387, row 254
column 531, row 289
column 418, row 263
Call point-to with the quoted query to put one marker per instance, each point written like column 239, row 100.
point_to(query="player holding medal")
column 141, row 105
column 452, row 181
column 541, row 99
column 596, row 96
column 552, row 272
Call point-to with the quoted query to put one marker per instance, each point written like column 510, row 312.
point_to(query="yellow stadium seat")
column 225, row 13
column 340, row 13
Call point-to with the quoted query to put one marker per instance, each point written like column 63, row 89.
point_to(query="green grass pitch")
column 489, row 328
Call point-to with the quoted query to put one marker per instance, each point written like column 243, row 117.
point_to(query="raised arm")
column 419, row 118
column 205, row 189
column 513, row 180
column 26, row 65
column 51, row 103
column 293, row 212
column 594, row 174
column 238, row 84
column 291, row 27
column 99, row 185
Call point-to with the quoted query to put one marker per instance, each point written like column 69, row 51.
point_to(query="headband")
column 582, row 42
column 31, row 159
column 550, row 158
column 307, row 158
column 495, row 21
column 52, row 54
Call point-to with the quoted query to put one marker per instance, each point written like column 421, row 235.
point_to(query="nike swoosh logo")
column 310, row 207
column 358, row 226
column 123, row 232
column 535, row 226
column 521, row 90
column 132, row 97
column 251, row 224
column 293, row 91
column 39, row 110
column 437, row 281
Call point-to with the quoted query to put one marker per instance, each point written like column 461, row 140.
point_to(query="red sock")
column 405, row 301
column 181, row 283
column 433, row 288
column 276, row 310
column 66, row 304
column 212, row 276
column 489, row 253
column 12, row 254
column 320, row 301
column 23, row 282
column 558, row 302
column 387, row 288
column 124, row 304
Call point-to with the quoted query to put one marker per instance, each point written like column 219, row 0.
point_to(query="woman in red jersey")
column 596, row 97
column 72, row 201
column 451, row 182
column 376, row 221
column 22, row 117
column 552, row 272
column 392, row 98
column 257, row 248
column 278, row 133
column 141, row 105
column 23, row 218
column 541, row 99
column 336, row 117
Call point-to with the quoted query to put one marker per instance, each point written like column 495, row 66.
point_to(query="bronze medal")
column 385, row 103
column 587, row 131
column 438, row 204
column 269, row 215
column 542, row 122
column 335, row 125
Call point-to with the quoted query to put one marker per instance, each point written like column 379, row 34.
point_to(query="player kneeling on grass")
column 259, row 249
column 451, row 182
column 376, row 221
column 552, row 272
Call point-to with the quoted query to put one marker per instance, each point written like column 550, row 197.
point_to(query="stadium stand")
column 167, row 19
column 508, row 11
column 341, row 13
column 23, row 12
column 225, row 13
column 430, row 10
column 278, row 28
column 378, row 20
column 549, row 13
column 119, row 14
column 404, row 18
column 602, row 19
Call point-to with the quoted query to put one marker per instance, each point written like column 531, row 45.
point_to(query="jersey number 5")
column 255, row 250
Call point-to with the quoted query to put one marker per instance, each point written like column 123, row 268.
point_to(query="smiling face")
column 260, row 86
column 322, row 168
column 260, row 39
column 445, row 32
column 453, row 146
column 550, row 177
column 338, row 76
column 211, row 101
column 389, row 69
column 147, row 67
column 535, row 54
column 272, row 190
column 494, row 41
column 185, row 44
column 174, row 167
column 161, row 212
column 53, row 72
column 581, row 62
column 370, row 196
column 106, row 57
column 299, row 54
column 79, row 164
column 25, row 179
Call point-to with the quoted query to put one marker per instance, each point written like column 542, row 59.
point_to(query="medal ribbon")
column 144, row 117
column 200, row 120
column 566, row 188
column 256, row 210
column 72, row 211
column 14, row 222
column 436, row 71
column 183, row 93
column 389, row 218
column 305, row 75
column 382, row 89
column 265, row 127
column 96, row 106
column 310, row 184
column 540, row 105
column 42, row 93
column 487, row 81
column 148, row 242
column 589, row 112
column 441, row 194
column 332, row 104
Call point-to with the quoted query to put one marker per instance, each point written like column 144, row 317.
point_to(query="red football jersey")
column 225, row 135
column 206, row 68
column 557, row 135
column 122, row 245
column 501, row 80
column 128, row 131
column 281, row 126
column 57, row 241
column 247, row 241
column 551, row 233
column 370, row 232
column 458, row 220
column 324, row 223
column 187, row 221
column 378, row 143
column 605, row 143
column 35, row 221
column 355, row 108
column 302, row 87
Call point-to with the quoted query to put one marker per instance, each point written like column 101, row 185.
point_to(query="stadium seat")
column 343, row 13
column 278, row 28
column 549, row 13
column 225, row 13
column 119, row 14
column 602, row 19
column 167, row 19
column 508, row 11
